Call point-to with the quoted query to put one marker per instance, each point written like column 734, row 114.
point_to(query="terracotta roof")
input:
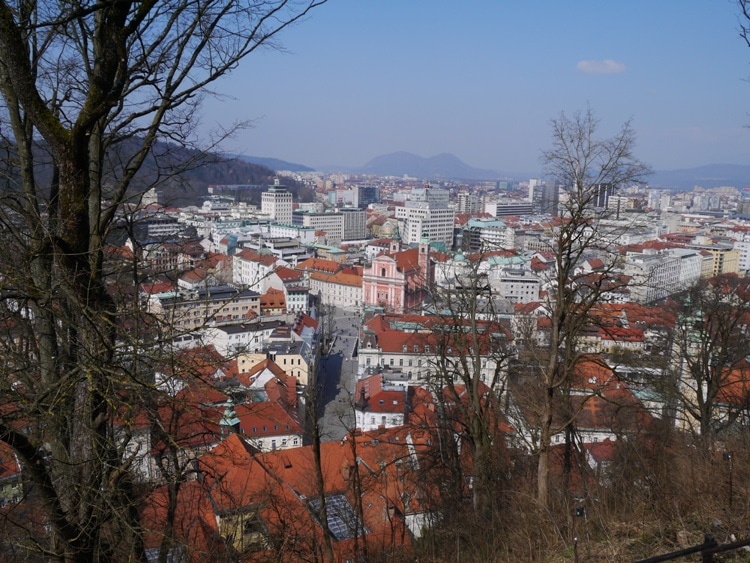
column 602, row 451
column 213, row 260
column 288, row 274
column 371, row 397
column 251, row 256
column 735, row 385
column 339, row 278
column 195, row 275
column 273, row 299
column 157, row 287
column 319, row 265
column 265, row 419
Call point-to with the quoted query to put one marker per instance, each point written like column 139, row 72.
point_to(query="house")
column 296, row 288
column 273, row 302
column 196, row 278
column 251, row 268
column 11, row 482
column 267, row 505
column 378, row 404
column 242, row 337
column 414, row 343
column 342, row 289
column 598, row 407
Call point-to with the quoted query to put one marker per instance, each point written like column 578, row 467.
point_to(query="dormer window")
column 404, row 349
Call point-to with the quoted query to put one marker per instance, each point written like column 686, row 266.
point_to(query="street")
column 338, row 377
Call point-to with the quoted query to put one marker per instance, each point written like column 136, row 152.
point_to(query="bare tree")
column 711, row 347
column 585, row 166
column 473, row 348
column 744, row 17
column 88, row 89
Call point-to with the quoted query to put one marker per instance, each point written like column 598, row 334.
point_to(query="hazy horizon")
column 482, row 79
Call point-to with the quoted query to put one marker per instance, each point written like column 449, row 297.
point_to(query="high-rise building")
column 545, row 198
column 426, row 214
column 467, row 202
column 354, row 223
column 364, row 195
column 277, row 203
column 601, row 194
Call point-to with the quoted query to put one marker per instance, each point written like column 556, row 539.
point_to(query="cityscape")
column 211, row 356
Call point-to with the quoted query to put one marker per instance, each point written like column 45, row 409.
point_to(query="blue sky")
column 482, row 78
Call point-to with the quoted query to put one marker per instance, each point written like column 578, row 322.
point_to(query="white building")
column 277, row 204
column 379, row 404
column 251, row 268
column 250, row 337
column 517, row 286
column 653, row 276
column 419, row 220
column 743, row 264
column 331, row 223
column 690, row 266
column 341, row 290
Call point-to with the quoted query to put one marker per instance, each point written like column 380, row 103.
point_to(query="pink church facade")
column 397, row 280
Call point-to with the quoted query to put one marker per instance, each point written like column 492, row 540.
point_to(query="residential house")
column 379, row 404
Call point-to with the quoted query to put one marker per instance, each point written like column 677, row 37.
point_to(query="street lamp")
column 730, row 458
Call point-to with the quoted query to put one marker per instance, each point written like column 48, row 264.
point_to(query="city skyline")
column 481, row 80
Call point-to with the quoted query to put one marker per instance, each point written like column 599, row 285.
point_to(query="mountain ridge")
column 448, row 166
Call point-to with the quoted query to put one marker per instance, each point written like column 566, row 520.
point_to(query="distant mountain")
column 274, row 163
column 709, row 176
column 443, row 165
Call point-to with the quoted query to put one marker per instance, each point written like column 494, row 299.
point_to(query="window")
column 382, row 272
column 401, row 362
column 391, row 361
column 382, row 420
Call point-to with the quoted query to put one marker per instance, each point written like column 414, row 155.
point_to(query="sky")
column 482, row 79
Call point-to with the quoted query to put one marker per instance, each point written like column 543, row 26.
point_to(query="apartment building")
column 188, row 310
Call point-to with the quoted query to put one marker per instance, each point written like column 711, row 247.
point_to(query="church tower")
column 395, row 241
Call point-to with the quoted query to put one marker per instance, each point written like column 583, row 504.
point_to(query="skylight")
column 342, row 521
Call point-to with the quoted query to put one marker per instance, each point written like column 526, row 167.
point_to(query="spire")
column 396, row 235
column 229, row 422
column 395, row 240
